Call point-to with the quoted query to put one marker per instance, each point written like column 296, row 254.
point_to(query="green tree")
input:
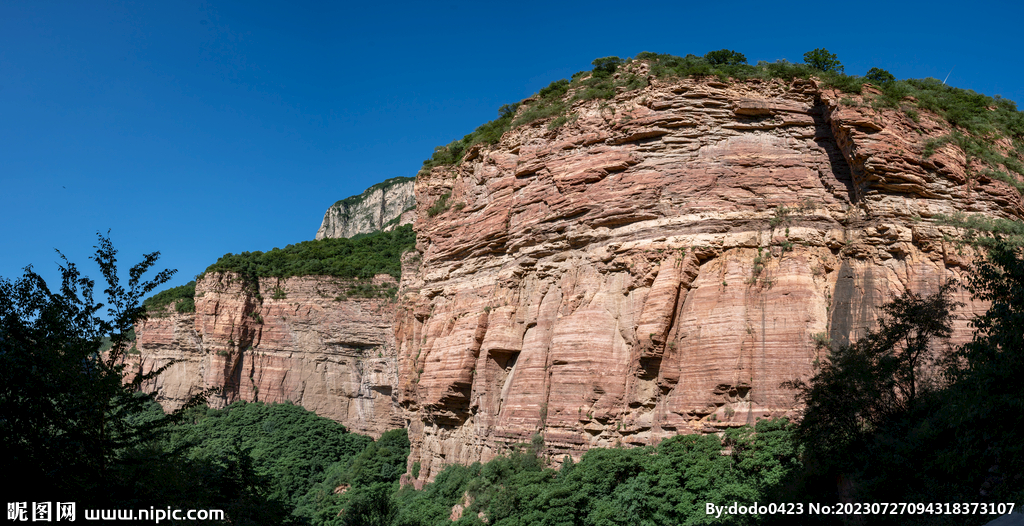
column 986, row 404
column 67, row 409
column 821, row 60
column 861, row 387
column 879, row 76
column 605, row 66
column 725, row 57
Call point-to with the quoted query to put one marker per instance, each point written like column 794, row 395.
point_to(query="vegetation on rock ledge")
column 361, row 257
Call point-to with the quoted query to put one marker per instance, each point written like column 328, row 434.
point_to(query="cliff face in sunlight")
column 665, row 262
column 659, row 264
column 299, row 340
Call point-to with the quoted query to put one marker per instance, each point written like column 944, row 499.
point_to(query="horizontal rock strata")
column 297, row 339
column 664, row 262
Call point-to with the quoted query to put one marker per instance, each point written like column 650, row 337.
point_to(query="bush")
column 605, row 66
column 821, row 60
column 726, row 57
column 879, row 76
column 844, row 83
column 439, row 206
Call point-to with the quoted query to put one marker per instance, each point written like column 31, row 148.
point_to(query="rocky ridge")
column 665, row 261
column 382, row 206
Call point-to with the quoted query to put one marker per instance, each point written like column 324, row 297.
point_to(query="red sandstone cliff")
column 663, row 263
column 659, row 265
column 295, row 341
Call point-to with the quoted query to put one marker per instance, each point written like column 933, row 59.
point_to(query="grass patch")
column 440, row 206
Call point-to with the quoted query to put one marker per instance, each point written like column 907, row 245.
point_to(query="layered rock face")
column 373, row 210
column 664, row 262
column 298, row 340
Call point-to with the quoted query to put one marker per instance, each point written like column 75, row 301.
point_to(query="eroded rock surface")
column 664, row 262
column 298, row 340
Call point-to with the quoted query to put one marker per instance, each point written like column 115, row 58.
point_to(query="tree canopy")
column 67, row 408
column 725, row 57
column 822, row 60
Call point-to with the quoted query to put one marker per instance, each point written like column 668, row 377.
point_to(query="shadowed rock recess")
column 659, row 264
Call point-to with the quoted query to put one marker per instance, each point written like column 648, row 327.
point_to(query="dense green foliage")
column 287, row 443
column 299, row 458
column 821, row 60
column 980, row 116
column 357, row 258
column 182, row 297
column 725, row 57
column 666, row 484
column 369, row 480
column 67, row 410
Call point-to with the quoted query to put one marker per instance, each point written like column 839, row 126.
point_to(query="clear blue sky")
column 200, row 128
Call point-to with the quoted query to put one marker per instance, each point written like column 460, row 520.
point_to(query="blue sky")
column 199, row 128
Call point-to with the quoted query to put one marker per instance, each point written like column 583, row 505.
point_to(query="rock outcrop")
column 297, row 339
column 382, row 206
column 665, row 261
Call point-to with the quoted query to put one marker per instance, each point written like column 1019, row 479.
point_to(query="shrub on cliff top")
column 879, row 76
column 606, row 65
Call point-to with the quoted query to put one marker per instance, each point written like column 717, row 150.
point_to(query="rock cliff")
column 658, row 264
column 298, row 340
column 379, row 207
column 665, row 261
